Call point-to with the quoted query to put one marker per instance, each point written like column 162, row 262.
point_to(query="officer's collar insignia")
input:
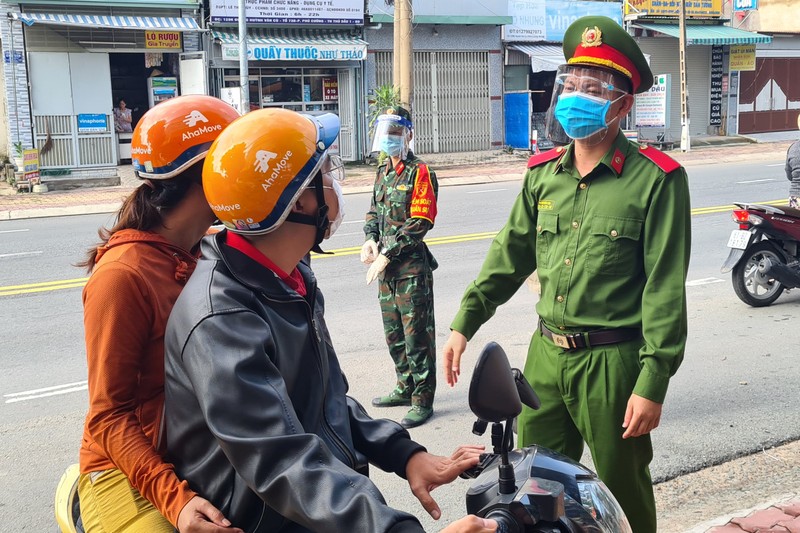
column 617, row 161
column 399, row 168
column 591, row 37
column 402, row 187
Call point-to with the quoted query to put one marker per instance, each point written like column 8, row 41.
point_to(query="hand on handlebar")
column 471, row 524
column 451, row 356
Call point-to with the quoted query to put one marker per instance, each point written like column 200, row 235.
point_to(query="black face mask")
column 320, row 221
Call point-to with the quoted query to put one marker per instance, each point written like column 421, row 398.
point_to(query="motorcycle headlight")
column 600, row 503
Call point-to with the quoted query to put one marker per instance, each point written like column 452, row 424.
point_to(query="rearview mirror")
column 493, row 395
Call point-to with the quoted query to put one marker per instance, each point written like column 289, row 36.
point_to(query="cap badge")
column 591, row 37
column 390, row 111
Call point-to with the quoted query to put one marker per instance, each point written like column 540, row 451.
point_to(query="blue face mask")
column 582, row 115
column 392, row 145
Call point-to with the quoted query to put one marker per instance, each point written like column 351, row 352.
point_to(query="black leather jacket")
column 258, row 421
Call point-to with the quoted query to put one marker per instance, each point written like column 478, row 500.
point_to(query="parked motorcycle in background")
column 764, row 259
column 533, row 489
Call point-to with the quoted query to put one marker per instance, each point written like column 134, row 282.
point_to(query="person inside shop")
column 402, row 211
column 136, row 273
column 257, row 413
column 793, row 172
column 606, row 223
column 123, row 120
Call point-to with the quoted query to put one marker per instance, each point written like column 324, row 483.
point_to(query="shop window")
column 298, row 89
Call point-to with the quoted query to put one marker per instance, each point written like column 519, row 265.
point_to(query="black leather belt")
column 573, row 341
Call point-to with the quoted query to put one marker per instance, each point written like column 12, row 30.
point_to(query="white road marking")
column 45, row 392
column 755, row 181
column 19, row 254
column 487, row 190
column 352, row 222
column 704, row 281
column 777, row 165
column 13, row 230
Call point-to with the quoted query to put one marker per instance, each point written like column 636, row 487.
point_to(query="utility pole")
column 685, row 136
column 244, row 78
column 403, row 65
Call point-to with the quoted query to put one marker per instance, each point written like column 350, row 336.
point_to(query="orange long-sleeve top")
column 127, row 301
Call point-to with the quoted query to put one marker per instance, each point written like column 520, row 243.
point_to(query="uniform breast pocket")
column 546, row 231
column 614, row 246
column 398, row 205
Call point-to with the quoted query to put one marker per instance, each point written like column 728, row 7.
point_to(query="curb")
column 721, row 520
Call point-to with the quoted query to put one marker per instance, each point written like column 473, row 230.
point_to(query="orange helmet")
column 177, row 133
column 258, row 166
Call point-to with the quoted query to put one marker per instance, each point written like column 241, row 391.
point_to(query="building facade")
column 458, row 85
column 68, row 64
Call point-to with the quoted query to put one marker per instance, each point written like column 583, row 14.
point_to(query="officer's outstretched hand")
column 369, row 251
column 451, row 360
column 641, row 417
column 471, row 524
column 378, row 266
column 425, row 472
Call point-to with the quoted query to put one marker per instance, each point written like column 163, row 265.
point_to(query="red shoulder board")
column 544, row 157
column 662, row 160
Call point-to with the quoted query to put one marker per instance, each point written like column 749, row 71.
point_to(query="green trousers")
column 584, row 395
column 409, row 326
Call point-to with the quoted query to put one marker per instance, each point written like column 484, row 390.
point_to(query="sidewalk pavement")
column 451, row 169
column 782, row 516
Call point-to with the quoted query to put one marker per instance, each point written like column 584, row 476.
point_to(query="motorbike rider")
column 137, row 272
column 257, row 415
column 793, row 172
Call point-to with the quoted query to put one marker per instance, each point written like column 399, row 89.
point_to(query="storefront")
column 80, row 63
column 303, row 56
column 311, row 70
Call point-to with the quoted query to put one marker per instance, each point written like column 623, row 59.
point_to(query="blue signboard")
column 92, row 123
column 547, row 20
column 517, row 107
column 17, row 56
column 745, row 5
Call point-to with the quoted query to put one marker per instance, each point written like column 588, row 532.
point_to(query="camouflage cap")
column 597, row 41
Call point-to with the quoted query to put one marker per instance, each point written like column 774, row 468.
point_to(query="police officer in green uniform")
column 606, row 223
column 402, row 210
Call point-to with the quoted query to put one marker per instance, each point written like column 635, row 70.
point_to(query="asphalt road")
column 735, row 393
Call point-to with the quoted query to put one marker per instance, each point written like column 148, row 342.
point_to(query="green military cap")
column 401, row 112
column 597, row 41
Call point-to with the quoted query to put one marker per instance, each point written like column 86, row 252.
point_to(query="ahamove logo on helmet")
column 191, row 121
column 263, row 157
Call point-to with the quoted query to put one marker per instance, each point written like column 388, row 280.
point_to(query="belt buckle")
column 563, row 341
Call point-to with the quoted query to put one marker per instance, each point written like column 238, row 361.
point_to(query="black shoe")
column 393, row 399
column 417, row 416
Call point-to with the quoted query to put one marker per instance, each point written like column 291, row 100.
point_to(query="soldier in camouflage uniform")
column 402, row 210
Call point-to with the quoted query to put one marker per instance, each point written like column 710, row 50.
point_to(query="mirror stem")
column 507, row 480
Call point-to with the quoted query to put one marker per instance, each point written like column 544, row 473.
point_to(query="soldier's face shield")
column 580, row 105
column 392, row 135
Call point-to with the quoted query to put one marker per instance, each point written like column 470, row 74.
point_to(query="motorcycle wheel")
column 749, row 283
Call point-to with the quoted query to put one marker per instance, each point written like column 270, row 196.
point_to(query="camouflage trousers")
column 408, row 322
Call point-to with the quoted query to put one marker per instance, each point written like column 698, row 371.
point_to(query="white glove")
column 369, row 252
column 377, row 267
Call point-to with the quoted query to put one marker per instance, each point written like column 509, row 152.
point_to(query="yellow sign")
column 671, row 8
column 30, row 159
column 743, row 57
column 163, row 40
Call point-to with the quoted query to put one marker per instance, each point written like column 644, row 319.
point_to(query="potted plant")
column 19, row 160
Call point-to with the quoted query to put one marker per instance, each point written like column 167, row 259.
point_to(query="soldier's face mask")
column 582, row 98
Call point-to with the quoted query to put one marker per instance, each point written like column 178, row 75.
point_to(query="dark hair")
column 144, row 208
column 122, row 100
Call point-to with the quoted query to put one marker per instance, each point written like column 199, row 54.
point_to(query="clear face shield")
column 579, row 109
column 392, row 135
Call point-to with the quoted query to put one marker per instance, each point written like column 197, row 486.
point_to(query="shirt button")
column 582, row 186
column 567, row 262
column 614, row 233
column 575, row 224
column 562, row 328
column 538, row 229
column 559, row 299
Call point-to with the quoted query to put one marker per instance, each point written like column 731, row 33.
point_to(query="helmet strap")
column 320, row 221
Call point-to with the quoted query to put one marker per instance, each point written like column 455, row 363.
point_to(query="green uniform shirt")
column 389, row 222
column 611, row 249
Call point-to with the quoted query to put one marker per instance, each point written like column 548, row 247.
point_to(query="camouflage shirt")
column 390, row 223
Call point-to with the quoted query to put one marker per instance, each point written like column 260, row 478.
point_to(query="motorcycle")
column 528, row 490
column 764, row 260
column 533, row 489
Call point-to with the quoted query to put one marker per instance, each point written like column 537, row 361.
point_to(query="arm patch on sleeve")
column 423, row 199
